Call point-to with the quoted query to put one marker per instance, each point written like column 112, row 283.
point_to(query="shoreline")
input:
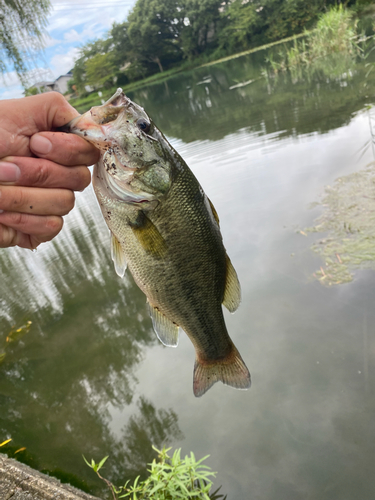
column 20, row 482
column 93, row 98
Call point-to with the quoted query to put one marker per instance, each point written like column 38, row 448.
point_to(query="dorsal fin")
column 232, row 293
column 148, row 235
column 165, row 329
column 118, row 256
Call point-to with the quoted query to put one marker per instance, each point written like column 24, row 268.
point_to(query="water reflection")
column 208, row 104
column 148, row 427
column 347, row 221
column 88, row 333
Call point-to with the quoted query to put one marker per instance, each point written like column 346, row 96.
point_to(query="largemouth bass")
column 166, row 230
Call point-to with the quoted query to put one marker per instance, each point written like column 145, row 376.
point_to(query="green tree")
column 251, row 23
column 201, row 25
column 22, row 24
column 154, row 31
column 121, row 51
column 88, row 51
column 100, row 71
column 120, row 44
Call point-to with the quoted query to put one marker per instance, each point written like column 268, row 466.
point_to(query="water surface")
column 90, row 376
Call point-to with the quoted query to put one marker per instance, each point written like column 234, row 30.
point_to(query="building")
column 58, row 85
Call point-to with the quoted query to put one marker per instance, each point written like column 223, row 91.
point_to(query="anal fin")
column 165, row 329
column 118, row 256
column 232, row 293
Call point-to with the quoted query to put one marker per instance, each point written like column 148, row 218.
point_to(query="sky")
column 71, row 24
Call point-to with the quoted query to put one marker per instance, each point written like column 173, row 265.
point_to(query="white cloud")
column 68, row 14
column 72, row 36
column 71, row 24
column 48, row 41
column 86, row 34
column 13, row 92
column 62, row 63
column 10, row 79
column 10, row 86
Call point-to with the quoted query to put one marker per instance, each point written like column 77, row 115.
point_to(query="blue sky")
column 71, row 24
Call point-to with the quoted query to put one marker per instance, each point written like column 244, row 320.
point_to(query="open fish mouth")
column 94, row 125
column 106, row 127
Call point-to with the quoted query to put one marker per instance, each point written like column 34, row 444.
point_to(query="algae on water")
column 349, row 221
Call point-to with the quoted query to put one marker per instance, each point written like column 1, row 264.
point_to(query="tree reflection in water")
column 60, row 382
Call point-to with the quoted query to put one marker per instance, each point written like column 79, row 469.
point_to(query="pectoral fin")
column 232, row 293
column 118, row 256
column 148, row 235
column 165, row 329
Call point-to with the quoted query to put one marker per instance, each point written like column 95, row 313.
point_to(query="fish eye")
column 144, row 125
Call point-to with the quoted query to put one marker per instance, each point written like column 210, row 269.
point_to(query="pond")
column 288, row 162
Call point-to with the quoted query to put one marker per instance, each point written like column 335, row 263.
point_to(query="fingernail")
column 40, row 145
column 9, row 172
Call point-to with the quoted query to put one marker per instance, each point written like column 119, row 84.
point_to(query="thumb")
column 49, row 111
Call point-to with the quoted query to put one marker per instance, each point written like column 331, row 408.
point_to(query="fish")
column 166, row 231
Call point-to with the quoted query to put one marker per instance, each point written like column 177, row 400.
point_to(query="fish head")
column 136, row 163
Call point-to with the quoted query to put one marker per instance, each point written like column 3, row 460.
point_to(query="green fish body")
column 165, row 229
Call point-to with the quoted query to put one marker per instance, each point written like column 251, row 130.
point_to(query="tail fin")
column 231, row 371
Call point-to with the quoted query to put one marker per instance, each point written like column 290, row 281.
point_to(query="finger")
column 37, row 172
column 39, row 201
column 27, row 231
column 49, row 110
column 65, row 149
column 21, row 118
column 10, row 237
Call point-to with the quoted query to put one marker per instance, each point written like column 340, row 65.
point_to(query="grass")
column 330, row 47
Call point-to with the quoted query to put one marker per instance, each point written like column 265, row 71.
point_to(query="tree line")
column 161, row 34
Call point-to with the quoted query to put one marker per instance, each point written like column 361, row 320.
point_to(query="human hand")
column 39, row 168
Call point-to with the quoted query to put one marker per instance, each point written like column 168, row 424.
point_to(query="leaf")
column 156, row 488
column 202, row 460
column 101, row 463
column 21, row 449
column 6, row 442
column 181, row 485
column 87, row 462
column 17, row 333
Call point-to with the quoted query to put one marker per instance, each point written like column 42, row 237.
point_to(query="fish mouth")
column 97, row 127
column 92, row 124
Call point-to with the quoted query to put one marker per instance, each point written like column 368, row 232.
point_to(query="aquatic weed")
column 348, row 225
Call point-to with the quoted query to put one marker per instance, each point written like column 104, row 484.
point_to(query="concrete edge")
column 20, row 482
